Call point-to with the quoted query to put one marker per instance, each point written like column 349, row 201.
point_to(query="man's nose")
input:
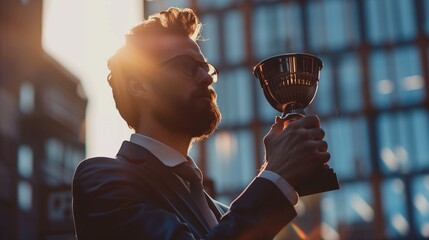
column 203, row 77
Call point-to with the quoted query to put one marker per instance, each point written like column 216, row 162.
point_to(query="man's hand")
column 295, row 149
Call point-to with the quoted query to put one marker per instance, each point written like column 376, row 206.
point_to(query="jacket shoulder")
column 100, row 170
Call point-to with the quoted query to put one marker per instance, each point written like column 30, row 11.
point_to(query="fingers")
column 278, row 126
column 322, row 156
column 275, row 130
column 314, row 134
column 319, row 153
column 321, row 160
column 318, row 146
column 307, row 122
column 322, row 146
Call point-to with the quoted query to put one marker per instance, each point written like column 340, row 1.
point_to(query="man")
column 161, row 84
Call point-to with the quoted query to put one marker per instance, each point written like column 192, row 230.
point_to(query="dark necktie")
column 194, row 177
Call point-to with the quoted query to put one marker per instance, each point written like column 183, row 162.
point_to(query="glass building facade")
column 42, row 130
column 373, row 101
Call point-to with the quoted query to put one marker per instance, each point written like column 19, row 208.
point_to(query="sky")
column 82, row 35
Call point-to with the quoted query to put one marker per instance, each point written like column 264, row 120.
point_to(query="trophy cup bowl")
column 289, row 83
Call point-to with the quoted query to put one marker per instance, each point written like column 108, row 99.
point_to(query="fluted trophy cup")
column 289, row 83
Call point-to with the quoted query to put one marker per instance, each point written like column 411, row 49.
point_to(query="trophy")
column 289, row 83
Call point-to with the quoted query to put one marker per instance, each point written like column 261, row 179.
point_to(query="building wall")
column 372, row 101
column 42, row 133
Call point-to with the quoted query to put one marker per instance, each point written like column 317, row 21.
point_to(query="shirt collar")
column 168, row 156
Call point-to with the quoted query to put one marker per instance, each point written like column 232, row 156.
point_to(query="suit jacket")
column 135, row 196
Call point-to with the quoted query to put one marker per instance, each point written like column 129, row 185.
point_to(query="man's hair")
column 129, row 58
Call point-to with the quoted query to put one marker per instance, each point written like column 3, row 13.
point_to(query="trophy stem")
column 292, row 114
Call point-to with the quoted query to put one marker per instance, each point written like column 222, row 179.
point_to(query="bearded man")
column 162, row 86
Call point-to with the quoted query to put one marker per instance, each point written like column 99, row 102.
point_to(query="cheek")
column 179, row 87
column 171, row 93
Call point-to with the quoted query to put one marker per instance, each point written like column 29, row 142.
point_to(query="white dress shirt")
column 171, row 158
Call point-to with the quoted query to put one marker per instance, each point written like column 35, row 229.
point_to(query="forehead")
column 165, row 47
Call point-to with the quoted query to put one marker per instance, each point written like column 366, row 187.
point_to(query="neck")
column 179, row 142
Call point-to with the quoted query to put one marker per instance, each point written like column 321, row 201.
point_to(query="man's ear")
column 136, row 86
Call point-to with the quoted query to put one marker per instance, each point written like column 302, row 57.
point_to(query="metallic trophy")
column 289, row 82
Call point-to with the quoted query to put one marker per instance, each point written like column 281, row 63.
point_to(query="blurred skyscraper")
column 373, row 100
column 42, row 131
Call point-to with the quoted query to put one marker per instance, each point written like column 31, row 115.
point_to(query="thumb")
column 277, row 127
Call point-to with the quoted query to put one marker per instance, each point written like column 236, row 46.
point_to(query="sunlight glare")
column 424, row 230
column 226, row 145
column 301, row 234
column 386, row 86
column 300, row 208
column 82, row 35
column 328, row 232
column 421, row 203
column 362, row 208
column 414, row 82
column 399, row 222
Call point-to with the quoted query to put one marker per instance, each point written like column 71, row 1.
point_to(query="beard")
column 196, row 117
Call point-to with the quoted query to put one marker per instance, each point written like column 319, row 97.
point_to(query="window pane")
column 194, row 152
column 289, row 28
column 53, row 167
column 157, row 6
column 208, row 4
column 375, row 19
column 25, row 196
column 419, row 122
column 382, row 84
column 350, row 83
column 316, row 25
column 390, row 20
column 341, row 22
column 348, row 212
column 395, row 213
column 234, row 37
column 210, row 45
column 266, row 111
column 406, row 21
column 397, row 77
column 26, row 98
column 394, row 142
column 420, row 192
column 333, row 24
column 348, row 145
column 409, row 77
column 234, row 98
column 25, row 161
column 231, row 161
column 426, row 5
column 276, row 29
column 324, row 100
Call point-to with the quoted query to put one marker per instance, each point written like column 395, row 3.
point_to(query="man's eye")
column 188, row 64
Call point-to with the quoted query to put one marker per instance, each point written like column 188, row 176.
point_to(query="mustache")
column 205, row 93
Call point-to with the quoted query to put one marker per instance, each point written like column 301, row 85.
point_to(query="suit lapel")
column 218, row 212
column 174, row 190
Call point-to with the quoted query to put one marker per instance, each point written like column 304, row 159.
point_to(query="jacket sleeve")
column 111, row 202
column 260, row 212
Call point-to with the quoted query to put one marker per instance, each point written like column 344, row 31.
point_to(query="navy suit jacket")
column 135, row 196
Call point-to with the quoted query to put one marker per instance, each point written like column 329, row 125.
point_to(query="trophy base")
column 323, row 180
